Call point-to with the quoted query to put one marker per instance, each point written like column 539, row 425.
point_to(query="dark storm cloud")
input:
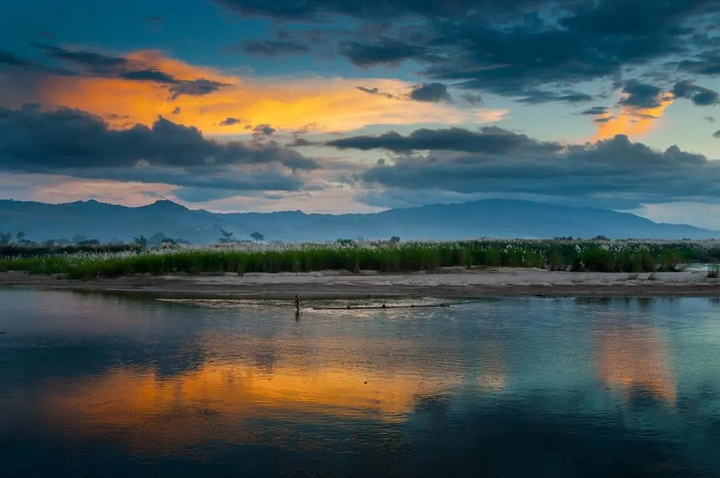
column 99, row 65
column 271, row 48
column 490, row 140
column 232, row 121
column 430, row 92
column 530, row 50
column 641, row 95
column 386, row 51
column 596, row 110
column 95, row 62
column 216, row 188
column 69, row 138
column 536, row 97
column 472, row 99
column 8, row 59
column 77, row 144
column 195, row 88
column 616, row 167
column 707, row 64
column 149, row 75
column 264, row 130
column 376, row 9
column 697, row 94
column 375, row 91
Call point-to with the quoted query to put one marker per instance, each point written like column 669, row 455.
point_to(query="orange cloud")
column 333, row 103
column 630, row 121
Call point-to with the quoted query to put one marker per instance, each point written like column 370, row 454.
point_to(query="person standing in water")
column 297, row 307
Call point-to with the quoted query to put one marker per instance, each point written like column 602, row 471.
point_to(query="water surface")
column 101, row 385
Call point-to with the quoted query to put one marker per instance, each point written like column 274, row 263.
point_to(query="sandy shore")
column 500, row 282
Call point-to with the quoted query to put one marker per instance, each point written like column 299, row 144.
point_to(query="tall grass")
column 600, row 256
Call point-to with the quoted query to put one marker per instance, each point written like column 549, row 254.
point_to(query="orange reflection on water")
column 159, row 415
column 636, row 358
column 493, row 374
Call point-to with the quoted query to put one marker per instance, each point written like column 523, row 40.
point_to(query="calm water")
column 94, row 385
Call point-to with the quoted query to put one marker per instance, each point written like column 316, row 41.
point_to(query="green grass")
column 599, row 256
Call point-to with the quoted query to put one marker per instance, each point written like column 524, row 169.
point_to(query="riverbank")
column 454, row 283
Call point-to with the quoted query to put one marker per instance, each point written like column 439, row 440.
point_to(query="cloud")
column 316, row 10
column 264, row 130
column 709, row 119
column 75, row 143
column 530, row 50
column 96, row 63
column 273, row 48
column 596, row 110
column 537, row 97
column 66, row 137
column 149, row 75
column 641, row 106
column 375, row 91
column 706, row 64
column 641, row 95
column 716, row 134
column 139, row 68
column 286, row 103
column 432, row 92
column 232, row 121
column 387, row 51
column 490, row 140
column 195, row 88
column 472, row 99
column 61, row 139
column 9, row 60
column 697, row 94
column 612, row 168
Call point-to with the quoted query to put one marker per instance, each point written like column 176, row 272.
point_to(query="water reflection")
column 523, row 387
column 635, row 360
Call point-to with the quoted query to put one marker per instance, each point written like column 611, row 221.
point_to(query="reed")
column 385, row 256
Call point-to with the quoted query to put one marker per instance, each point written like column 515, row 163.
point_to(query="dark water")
column 94, row 385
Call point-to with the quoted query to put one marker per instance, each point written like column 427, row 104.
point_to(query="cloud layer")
column 494, row 161
column 529, row 50
column 74, row 142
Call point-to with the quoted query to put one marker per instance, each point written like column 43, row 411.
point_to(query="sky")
column 340, row 106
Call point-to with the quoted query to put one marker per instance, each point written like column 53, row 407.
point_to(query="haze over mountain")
column 489, row 218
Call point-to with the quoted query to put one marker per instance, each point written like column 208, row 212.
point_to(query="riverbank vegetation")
column 385, row 256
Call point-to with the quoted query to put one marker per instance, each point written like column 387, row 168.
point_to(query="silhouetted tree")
column 78, row 238
column 20, row 236
column 227, row 236
column 395, row 239
column 141, row 241
column 157, row 239
column 5, row 238
column 257, row 236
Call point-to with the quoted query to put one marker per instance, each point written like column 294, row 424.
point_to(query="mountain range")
column 488, row 218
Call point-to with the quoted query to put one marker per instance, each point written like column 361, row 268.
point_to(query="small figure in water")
column 297, row 307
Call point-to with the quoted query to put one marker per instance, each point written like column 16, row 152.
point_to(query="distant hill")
column 490, row 218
